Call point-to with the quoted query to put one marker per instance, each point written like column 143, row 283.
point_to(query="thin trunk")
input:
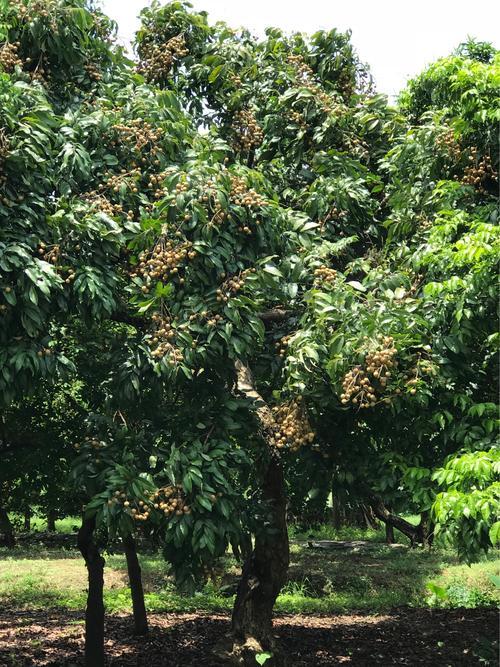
column 135, row 579
column 94, row 613
column 51, row 521
column 6, row 529
column 27, row 520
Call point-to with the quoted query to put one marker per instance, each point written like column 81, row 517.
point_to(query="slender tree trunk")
column 6, row 528
column 389, row 533
column 51, row 521
column 265, row 571
column 94, row 613
column 27, row 520
column 135, row 579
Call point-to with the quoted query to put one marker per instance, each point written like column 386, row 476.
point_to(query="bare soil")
column 402, row 637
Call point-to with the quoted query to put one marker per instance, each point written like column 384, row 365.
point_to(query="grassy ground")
column 373, row 578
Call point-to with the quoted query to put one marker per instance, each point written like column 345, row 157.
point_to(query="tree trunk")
column 27, row 520
column 51, row 521
column 94, row 613
column 426, row 529
column 135, row 579
column 389, row 533
column 6, row 529
column 395, row 521
column 264, row 573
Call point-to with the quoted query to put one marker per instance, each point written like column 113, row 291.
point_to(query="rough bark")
column 264, row 572
column 51, row 521
column 135, row 579
column 94, row 612
column 8, row 539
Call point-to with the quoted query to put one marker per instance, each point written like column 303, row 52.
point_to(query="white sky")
column 397, row 38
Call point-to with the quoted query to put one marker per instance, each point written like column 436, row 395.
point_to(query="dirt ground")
column 402, row 637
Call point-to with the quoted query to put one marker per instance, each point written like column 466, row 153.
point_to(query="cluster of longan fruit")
column 160, row 340
column 44, row 352
column 183, row 186
column 139, row 134
column 297, row 118
column 171, row 501
column 114, row 182
column 292, row 429
column 163, row 261
column 156, row 181
column 358, row 383
column 50, row 253
column 93, row 443
column 302, row 70
column 337, row 214
column 282, row 345
column 34, row 8
column 358, row 389
column 478, row 171
column 448, row 142
column 379, row 361
column 248, row 133
column 232, row 286
column 324, row 275
column 105, row 206
column 93, row 71
column 138, row 510
column 304, row 76
column 9, row 58
column 242, row 195
column 236, row 80
column 158, row 59
column 211, row 320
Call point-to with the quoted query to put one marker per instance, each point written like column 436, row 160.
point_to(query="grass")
column 39, row 523
column 373, row 579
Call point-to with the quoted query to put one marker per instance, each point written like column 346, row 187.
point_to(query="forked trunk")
column 94, row 612
column 135, row 579
column 265, row 571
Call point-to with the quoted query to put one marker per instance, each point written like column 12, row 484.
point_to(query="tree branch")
column 276, row 315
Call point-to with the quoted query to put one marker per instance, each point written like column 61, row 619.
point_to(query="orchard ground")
column 362, row 602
